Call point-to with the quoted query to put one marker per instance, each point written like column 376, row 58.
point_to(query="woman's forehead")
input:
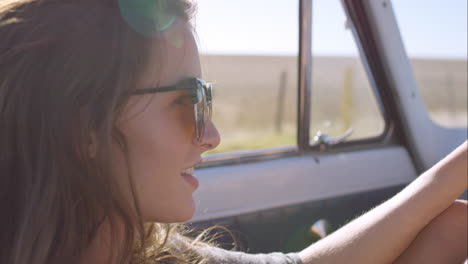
column 173, row 56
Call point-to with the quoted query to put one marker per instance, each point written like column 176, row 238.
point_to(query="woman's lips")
column 190, row 179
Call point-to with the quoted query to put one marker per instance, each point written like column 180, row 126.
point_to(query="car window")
column 249, row 51
column 435, row 38
column 342, row 98
column 251, row 56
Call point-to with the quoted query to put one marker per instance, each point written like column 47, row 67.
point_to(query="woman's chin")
column 182, row 214
column 186, row 214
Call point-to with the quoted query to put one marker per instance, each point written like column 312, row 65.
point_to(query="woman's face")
column 159, row 129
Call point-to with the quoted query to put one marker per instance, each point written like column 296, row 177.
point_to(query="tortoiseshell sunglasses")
column 200, row 94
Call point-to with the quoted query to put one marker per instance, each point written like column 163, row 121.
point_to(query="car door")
column 341, row 129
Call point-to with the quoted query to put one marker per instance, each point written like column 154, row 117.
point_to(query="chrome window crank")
column 325, row 141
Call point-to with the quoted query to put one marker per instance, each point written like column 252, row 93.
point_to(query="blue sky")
column 430, row 28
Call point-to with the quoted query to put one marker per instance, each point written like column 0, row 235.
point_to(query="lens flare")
column 147, row 17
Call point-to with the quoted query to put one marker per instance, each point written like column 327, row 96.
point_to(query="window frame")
column 357, row 18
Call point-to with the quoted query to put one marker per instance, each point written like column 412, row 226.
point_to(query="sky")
column 430, row 28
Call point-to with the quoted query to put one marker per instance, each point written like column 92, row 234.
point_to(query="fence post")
column 346, row 109
column 280, row 102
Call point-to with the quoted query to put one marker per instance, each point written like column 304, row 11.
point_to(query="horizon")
column 350, row 56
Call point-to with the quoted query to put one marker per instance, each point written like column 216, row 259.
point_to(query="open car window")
column 255, row 60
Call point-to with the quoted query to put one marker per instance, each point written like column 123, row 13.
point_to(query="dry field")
column 256, row 97
column 443, row 85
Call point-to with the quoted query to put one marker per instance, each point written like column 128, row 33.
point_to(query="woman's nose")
column 211, row 137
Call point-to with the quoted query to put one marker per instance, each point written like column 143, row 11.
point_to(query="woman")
column 103, row 116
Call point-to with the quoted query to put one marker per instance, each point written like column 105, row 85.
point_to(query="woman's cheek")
column 185, row 115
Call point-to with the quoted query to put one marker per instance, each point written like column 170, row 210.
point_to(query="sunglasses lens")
column 209, row 98
column 203, row 109
column 207, row 112
column 200, row 116
column 197, row 97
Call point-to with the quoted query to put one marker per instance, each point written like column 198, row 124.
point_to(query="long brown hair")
column 66, row 67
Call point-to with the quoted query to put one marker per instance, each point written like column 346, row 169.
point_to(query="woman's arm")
column 383, row 233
